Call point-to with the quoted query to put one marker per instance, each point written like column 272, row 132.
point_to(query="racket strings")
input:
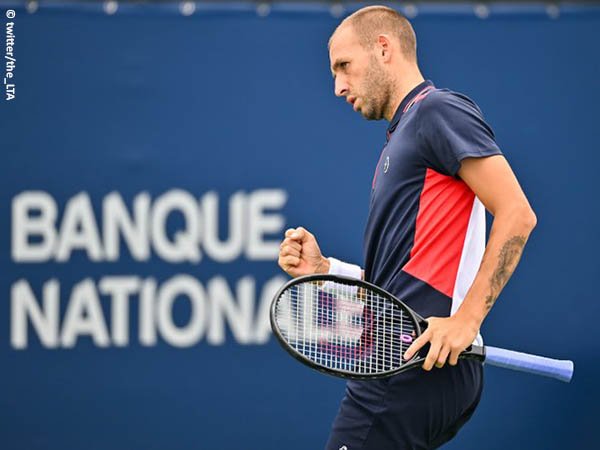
column 343, row 327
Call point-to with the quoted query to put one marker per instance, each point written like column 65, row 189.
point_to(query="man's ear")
column 384, row 47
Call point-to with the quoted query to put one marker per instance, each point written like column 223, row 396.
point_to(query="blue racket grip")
column 560, row 369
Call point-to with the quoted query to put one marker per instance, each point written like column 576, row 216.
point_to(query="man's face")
column 359, row 75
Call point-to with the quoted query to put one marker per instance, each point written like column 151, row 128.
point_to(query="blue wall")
column 147, row 100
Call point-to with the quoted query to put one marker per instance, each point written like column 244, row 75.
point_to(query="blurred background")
column 152, row 155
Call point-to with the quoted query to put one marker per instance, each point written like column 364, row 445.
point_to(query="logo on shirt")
column 386, row 164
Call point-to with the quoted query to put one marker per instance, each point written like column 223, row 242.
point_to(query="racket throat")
column 475, row 352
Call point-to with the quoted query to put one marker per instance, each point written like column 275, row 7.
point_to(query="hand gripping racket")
column 353, row 329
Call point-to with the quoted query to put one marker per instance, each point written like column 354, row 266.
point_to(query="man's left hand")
column 447, row 336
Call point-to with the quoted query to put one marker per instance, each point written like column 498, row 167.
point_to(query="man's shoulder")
column 441, row 102
column 445, row 98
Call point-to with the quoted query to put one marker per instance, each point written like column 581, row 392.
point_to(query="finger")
column 432, row 356
column 453, row 360
column 302, row 235
column 289, row 250
column 289, row 260
column 417, row 345
column 442, row 357
column 290, row 243
column 298, row 234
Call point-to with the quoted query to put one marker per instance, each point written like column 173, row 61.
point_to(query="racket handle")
column 560, row 369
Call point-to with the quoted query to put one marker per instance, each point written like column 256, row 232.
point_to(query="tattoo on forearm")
column 507, row 261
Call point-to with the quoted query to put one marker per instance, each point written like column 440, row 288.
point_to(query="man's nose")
column 341, row 87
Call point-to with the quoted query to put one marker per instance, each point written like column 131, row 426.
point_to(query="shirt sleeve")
column 451, row 128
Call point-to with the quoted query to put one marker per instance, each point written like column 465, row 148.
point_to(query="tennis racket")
column 354, row 329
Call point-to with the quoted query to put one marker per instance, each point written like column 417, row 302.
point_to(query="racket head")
column 345, row 327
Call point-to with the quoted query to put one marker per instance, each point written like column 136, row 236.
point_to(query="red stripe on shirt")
column 445, row 208
column 420, row 96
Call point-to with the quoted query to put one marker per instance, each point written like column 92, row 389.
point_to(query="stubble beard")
column 378, row 88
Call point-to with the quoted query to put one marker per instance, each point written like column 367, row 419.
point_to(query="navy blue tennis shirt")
column 425, row 235
column 424, row 242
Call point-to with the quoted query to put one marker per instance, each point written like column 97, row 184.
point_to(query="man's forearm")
column 508, row 236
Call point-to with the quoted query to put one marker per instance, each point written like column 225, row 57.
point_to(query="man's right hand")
column 299, row 254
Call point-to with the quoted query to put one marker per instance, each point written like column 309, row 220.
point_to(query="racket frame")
column 473, row 352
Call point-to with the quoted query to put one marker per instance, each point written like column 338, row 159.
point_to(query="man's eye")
column 344, row 65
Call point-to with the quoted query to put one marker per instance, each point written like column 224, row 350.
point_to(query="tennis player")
column 425, row 236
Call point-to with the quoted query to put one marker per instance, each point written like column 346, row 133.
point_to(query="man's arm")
column 494, row 183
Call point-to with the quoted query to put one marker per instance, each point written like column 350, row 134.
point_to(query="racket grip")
column 560, row 369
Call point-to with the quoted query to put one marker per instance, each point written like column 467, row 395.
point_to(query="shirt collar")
column 404, row 104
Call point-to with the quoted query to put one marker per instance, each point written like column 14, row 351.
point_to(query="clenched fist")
column 299, row 254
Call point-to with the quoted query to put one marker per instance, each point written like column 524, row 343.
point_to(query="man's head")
column 370, row 52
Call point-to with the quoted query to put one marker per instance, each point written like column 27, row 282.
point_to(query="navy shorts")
column 413, row 410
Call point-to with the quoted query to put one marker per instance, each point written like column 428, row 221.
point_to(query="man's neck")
column 404, row 85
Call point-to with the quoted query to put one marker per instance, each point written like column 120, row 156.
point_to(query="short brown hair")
column 370, row 22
